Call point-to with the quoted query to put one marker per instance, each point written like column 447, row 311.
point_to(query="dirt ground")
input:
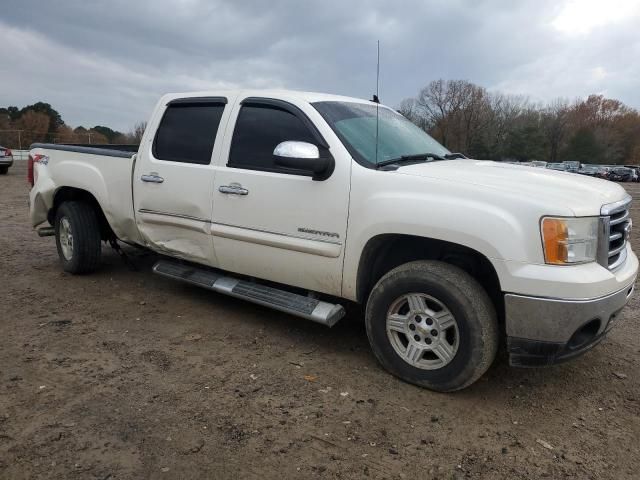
column 123, row 375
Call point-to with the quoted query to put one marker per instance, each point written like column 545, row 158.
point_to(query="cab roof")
column 309, row 97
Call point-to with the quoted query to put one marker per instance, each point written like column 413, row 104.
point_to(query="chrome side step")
column 306, row 307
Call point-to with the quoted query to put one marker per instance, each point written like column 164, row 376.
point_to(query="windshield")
column 355, row 125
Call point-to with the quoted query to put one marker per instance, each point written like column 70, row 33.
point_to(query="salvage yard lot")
column 124, row 374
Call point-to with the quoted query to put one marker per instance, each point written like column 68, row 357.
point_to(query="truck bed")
column 105, row 171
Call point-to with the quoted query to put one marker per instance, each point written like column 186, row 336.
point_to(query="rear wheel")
column 78, row 237
column 431, row 324
column 4, row 170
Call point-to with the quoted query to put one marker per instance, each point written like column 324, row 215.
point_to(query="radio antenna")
column 376, row 99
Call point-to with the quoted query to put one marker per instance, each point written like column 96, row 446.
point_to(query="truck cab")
column 220, row 197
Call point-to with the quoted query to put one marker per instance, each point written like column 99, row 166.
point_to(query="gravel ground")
column 124, row 374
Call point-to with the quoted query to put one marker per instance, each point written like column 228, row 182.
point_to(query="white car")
column 325, row 200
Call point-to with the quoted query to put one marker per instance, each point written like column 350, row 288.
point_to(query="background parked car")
column 571, row 166
column 538, row 163
column 621, row 174
column 603, row 172
column 557, row 166
column 6, row 160
column 589, row 170
column 635, row 172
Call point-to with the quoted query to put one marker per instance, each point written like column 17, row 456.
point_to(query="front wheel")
column 431, row 324
column 78, row 237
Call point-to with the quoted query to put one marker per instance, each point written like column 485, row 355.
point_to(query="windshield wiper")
column 419, row 157
column 454, row 156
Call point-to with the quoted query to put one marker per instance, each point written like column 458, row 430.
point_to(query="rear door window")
column 187, row 132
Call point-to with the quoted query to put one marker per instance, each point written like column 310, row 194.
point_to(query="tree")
column 14, row 113
column 121, row 139
column 555, row 120
column 55, row 120
column 40, row 122
column 583, row 147
column 525, row 140
column 409, row 109
column 628, row 128
column 456, row 112
column 466, row 118
column 96, row 137
column 107, row 132
column 65, row 134
column 437, row 102
column 138, row 132
column 34, row 126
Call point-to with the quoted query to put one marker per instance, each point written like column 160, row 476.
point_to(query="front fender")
column 499, row 225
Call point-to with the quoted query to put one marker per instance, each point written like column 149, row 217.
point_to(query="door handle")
column 233, row 189
column 152, row 177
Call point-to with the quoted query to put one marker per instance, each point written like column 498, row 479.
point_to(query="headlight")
column 569, row 241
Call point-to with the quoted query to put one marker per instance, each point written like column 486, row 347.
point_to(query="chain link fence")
column 18, row 140
column 20, row 154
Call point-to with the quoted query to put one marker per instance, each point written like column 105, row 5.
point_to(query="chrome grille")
column 615, row 225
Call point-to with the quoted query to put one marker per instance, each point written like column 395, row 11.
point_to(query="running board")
column 306, row 307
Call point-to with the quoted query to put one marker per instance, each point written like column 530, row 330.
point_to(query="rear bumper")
column 6, row 162
column 544, row 331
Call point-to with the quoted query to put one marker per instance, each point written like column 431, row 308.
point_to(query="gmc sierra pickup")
column 303, row 201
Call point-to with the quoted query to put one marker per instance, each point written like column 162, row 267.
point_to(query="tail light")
column 30, row 171
column 33, row 159
column 8, row 153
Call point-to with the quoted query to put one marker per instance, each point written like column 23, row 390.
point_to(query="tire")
column 79, row 221
column 4, row 170
column 447, row 308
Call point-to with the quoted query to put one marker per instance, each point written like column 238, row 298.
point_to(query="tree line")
column 40, row 122
column 467, row 118
column 463, row 116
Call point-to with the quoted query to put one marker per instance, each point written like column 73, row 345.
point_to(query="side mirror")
column 305, row 157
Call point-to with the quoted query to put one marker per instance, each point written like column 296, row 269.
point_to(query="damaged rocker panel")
column 185, row 221
column 178, row 215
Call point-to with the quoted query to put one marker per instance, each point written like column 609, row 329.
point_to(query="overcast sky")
column 106, row 63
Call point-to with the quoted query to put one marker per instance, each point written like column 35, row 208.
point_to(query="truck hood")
column 581, row 194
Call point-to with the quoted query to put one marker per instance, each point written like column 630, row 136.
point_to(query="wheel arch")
column 66, row 194
column 384, row 252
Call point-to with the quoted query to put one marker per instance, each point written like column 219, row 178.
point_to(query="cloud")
column 582, row 16
column 108, row 62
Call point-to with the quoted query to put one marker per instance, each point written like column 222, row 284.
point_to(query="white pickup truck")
column 303, row 201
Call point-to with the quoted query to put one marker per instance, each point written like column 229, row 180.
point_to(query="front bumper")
column 544, row 331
